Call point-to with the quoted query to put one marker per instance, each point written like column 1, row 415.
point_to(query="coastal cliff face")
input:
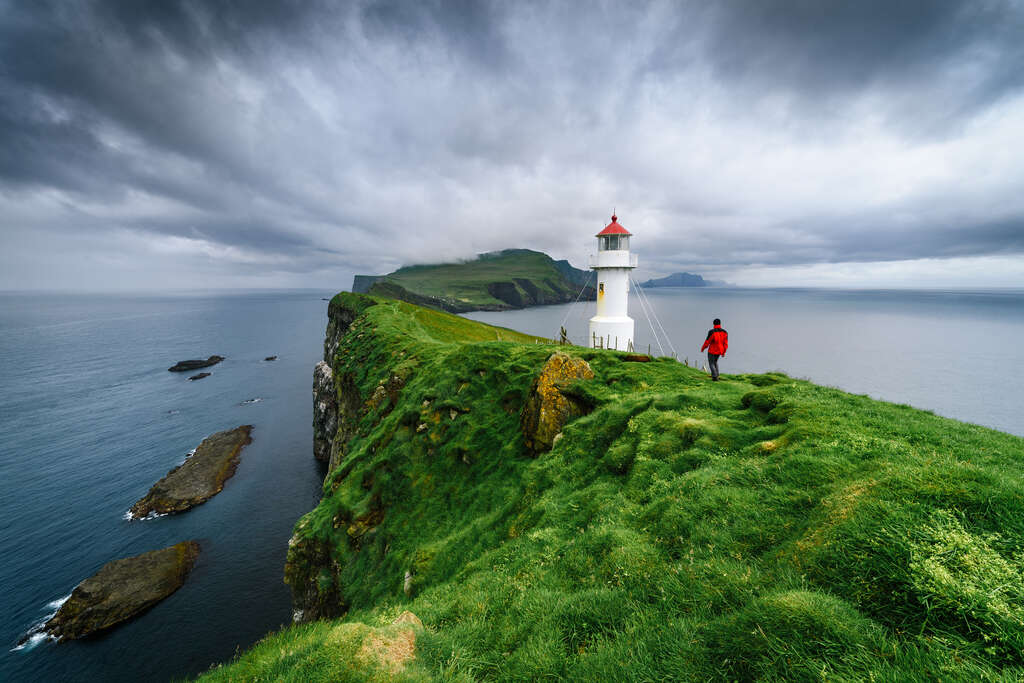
column 557, row 512
column 355, row 390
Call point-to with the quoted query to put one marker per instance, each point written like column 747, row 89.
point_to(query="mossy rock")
column 199, row 478
column 548, row 409
column 122, row 589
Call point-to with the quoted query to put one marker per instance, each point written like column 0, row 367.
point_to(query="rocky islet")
column 122, row 589
column 189, row 365
column 199, row 478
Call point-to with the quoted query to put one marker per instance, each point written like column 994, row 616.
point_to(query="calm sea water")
column 959, row 354
column 90, row 419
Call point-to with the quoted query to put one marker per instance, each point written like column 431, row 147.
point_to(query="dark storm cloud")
column 821, row 50
column 308, row 136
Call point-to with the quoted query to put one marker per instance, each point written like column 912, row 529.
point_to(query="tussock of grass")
column 756, row 528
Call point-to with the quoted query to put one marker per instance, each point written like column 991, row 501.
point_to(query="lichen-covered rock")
column 325, row 411
column 122, row 589
column 547, row 409
column 199, row 478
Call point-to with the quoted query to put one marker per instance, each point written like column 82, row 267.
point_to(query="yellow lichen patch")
column 392, row 647
column 547, row 409
column 769, row 446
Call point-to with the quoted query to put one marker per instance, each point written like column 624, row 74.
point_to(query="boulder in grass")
column 199, row 478
column 187, row 365
column 122, row 589
column 547, row 409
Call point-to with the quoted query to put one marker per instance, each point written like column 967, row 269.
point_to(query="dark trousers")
column 713, row 364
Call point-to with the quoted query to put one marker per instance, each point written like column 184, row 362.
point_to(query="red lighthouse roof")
column 614, row 228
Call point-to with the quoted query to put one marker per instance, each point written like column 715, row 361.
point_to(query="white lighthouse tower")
column 612, row 328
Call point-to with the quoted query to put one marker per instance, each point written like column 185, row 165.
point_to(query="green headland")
column 497, row 281
column 758, row 528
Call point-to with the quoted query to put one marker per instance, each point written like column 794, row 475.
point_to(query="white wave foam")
column 251, row 400
column 32, row 639
column 56, row 605
column 36, row 634
column 152, row 515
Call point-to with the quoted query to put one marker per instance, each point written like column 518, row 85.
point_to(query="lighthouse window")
column 613, row 242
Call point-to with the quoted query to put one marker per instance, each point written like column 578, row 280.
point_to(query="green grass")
column 758, row 528
column 463, row 286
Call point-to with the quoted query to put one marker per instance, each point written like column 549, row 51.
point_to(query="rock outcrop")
column 187, row 365
column 336, row 399
column 199, row 478
column 200, row 375
column 121, row 589
column 548, row 409
column 325, row 411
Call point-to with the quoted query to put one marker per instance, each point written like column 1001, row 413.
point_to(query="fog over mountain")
column 289, row 144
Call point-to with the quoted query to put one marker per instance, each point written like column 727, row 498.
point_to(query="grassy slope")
column 466, row 283
column 760, row 527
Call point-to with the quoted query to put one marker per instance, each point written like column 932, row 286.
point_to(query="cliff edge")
column 666, row 528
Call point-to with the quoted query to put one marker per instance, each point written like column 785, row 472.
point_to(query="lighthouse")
column 612, row 328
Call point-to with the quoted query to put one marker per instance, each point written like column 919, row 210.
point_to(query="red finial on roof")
column 614, row 228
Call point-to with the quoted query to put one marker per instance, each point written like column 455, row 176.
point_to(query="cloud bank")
column 240, row 144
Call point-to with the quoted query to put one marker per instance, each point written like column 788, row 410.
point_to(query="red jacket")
column 717, row 341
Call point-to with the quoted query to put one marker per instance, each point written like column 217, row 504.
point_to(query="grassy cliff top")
column 758, row 528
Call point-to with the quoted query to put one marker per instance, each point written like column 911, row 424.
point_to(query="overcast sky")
column 291, row 144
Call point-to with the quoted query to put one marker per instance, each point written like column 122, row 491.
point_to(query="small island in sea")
column 677, row 280
column 199, row 478
column 122, row 589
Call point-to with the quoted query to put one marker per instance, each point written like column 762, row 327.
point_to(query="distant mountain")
column 361, row 283
column 677, row 280
column 494, row 281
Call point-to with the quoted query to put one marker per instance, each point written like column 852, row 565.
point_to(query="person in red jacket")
column 717, row 343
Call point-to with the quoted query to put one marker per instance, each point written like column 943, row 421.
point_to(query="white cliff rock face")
column 325, row 411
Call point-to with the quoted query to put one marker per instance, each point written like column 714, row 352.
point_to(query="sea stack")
column 612, row 328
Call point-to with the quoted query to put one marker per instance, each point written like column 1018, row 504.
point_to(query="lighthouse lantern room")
column 612, row 328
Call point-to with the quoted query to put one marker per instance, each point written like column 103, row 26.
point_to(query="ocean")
column 957, row 353
column 91, row 418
